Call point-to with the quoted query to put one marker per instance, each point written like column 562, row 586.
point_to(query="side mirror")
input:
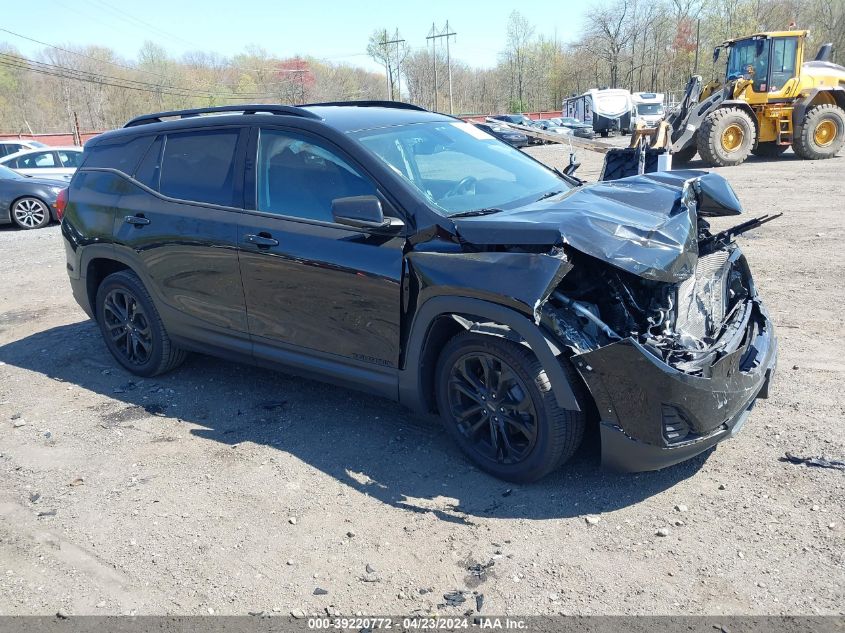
column 716, row 52
column 362, row 212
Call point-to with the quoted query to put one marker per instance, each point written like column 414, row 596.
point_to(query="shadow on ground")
column 372, row 445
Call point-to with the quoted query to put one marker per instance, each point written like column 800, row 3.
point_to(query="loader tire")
column 726, row 137
column 769, row 150
column 821, row 134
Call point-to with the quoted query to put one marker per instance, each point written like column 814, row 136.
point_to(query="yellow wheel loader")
column 769, row 100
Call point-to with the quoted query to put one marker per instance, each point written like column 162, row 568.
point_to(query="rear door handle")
column 262, row 239
column 137, row 220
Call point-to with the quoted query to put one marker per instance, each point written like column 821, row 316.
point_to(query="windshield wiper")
column 470, row 214
column 549, row 195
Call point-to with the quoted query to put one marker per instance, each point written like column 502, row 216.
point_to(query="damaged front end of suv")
column 658, row 315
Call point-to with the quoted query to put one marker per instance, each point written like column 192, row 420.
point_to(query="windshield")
column 460, row 168
column 8, row 174
column 649, row 108
column 750, row 59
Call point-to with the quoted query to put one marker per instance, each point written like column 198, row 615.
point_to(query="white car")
column 12, row 146
column 45, row 162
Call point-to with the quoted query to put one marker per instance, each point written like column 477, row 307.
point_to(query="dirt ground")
column 228, row 489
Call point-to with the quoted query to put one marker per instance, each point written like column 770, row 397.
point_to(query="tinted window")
column 122, row 154
column 200, row 166
column 301, row 178
column 70, row 159
column 150, row 168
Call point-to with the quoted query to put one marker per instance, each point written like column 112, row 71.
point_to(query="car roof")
column 341, row 117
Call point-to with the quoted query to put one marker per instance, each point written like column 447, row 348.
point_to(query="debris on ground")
column 820, row 462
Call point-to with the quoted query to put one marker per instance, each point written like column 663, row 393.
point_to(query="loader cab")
column 770, row 61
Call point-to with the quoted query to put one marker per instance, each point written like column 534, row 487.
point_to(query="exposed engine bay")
column 682, row 324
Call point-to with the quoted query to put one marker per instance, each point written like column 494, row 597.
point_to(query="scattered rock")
column 210, row 611
column 679, row 523
column 681, row 507
column 290, row 561
column 479, row 602
column 507, row 492
column 830, row 526
column 319, row 591
column 350, row 534
column 664, row 531
column 292, row 520
column 35, row 496
column 722, row 487
column 62, row 615
column 77, row 482
column 19, row 423
column 553, row 597
column 815, row 508
column 101, row 604
column 297, row 614
column 454, row 598
column 47, row 513
column 591, row 520
column 370, row 569
column 795, row 367
column 425, row 590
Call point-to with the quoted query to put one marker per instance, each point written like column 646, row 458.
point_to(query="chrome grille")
column 702, row 298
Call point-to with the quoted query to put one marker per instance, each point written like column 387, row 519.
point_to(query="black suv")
column 407, row 253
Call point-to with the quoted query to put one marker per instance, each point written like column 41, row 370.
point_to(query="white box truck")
column 647, row 108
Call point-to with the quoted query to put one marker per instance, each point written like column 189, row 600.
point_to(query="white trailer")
column 607, row 110
column 647, row 108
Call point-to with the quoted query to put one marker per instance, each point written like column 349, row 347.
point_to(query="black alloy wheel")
column 492, row 409
column 128, row 326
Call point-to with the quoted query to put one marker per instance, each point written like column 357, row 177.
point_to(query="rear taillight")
column 61, row 203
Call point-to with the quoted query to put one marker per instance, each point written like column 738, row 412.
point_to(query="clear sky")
column 331, row 30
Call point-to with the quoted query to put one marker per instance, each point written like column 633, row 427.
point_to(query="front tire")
column 821, row 134
column 726, row 137
column 30, row 213
column 496, row 402
column 132, row 328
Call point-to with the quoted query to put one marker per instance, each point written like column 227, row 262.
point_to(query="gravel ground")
column 228, row 489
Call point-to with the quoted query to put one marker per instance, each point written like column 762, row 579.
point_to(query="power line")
column 141, row 70
column 62, row 72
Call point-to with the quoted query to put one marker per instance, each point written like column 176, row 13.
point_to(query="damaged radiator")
column 702, row 299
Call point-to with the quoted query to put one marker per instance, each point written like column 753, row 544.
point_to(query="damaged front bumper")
column 653, row 415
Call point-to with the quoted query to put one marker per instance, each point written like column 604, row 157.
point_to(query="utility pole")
column 385, row 43
column 434, row 35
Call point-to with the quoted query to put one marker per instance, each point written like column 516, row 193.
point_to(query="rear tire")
column 769, row 150
column 726, row 137
column 821, row 134
column 132, row 328
column 496, row 402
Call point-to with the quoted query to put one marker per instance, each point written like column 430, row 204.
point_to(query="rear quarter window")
column 199, row 166
column 120, row 154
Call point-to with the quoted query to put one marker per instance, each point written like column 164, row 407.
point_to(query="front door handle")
column 262, row 239
column 137, row 220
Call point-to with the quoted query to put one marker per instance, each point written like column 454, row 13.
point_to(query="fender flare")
column 411, row 385
column 801, row 106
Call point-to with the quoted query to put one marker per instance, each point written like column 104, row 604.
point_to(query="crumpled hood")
column 638, row 224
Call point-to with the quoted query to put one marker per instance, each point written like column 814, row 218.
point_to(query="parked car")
column 51, row 162
column 27, row 202
column 584, row 130
column 13, row 146
column 504, row 133
column 400, row 251
column 519, row 119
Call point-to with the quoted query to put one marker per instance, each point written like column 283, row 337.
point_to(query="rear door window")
column 199, row 166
